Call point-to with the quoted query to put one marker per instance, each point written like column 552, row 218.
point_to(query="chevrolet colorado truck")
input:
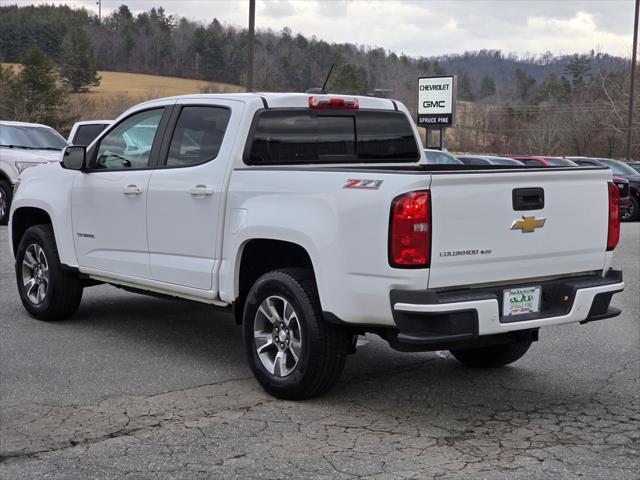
column 315, row 218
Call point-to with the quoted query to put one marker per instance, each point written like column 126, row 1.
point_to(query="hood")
column 24, row 155
column 631, row 178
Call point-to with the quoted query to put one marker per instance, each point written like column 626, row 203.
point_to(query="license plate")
column 517, row 301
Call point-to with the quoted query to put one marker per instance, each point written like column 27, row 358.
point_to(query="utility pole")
column 633, row 79
column 252, row 34
column 99, row 3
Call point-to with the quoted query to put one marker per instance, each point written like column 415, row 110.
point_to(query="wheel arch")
column 24, row 218
column 258, row 256
column 5, row 177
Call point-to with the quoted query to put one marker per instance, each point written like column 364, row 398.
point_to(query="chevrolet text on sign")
column 436, row 101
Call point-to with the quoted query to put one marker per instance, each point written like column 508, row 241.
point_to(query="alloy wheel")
column 3, row 202
column 35, row 274
column 277, row 335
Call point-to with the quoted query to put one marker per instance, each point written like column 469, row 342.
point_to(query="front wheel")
column 46, row 290
column 493, row 356
column 293, row 353
column 6, row 192
column 632, row 212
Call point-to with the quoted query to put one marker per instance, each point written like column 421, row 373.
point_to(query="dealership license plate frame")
column 524, row 307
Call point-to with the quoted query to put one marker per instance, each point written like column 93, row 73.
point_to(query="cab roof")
column 289, row 100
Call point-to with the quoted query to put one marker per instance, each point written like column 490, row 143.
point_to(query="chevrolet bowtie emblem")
column 528, row 224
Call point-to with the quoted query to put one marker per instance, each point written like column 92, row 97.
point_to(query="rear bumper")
column 428, row 318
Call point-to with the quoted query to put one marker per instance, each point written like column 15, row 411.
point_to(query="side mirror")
column 73, row 157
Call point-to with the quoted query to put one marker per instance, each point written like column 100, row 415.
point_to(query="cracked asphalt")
column 134, row 387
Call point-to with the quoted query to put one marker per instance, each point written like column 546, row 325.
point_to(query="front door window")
column 129, row 144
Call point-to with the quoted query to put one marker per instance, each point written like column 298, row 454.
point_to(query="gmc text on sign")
column 436, row 101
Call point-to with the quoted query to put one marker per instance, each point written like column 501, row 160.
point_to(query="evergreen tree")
column 464, row 88
column 7, row 92
column 78, row 62
column 552, row 90
column 38, row 95
column 487, row 87
column 349, row 78
column 578, row 71
column 524, row 83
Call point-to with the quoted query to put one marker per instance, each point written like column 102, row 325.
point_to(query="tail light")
column 410, row 230
column 333, row 103
column 614, row 217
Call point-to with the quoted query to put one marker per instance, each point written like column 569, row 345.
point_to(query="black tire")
column 63, row 290
column 493, row 356
column 324, row 346
column 6, row 194
column 632, row 213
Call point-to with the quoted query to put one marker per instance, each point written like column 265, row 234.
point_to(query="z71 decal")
column 363, row 184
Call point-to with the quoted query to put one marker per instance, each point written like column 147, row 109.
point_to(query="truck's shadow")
column 200, row 334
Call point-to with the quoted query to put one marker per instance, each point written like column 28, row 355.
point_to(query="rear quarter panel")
column 345, row 232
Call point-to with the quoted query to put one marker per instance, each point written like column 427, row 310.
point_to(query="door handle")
column 132, row 190
column 528, row 198
column 201, row 190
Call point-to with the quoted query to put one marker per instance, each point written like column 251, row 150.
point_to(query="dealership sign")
column 436, row 101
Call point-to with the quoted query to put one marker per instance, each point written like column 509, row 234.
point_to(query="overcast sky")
column 426, row 27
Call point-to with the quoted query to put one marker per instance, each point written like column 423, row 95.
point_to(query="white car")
column 440, row 157
column 315, row 219
column 85, row 132
column 24, row 145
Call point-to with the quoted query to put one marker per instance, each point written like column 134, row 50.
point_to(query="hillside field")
column 141, row 85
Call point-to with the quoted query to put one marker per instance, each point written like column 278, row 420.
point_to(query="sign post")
column 436, row 105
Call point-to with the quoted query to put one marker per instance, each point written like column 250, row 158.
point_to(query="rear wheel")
column 46, row 290
column 5, row 201
column 293, row 353
column 493, row 356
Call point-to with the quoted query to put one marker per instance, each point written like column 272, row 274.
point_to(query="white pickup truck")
column 316, row 219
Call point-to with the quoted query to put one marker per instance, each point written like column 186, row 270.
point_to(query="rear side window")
column 85, row 134
column 198, row 135
column 289, row 137
column 533, row 161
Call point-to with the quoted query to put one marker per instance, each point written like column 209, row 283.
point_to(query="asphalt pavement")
column 135, row 387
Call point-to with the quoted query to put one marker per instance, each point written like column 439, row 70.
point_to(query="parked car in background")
column 24, row 145
column 488, row 160
column 625, row 194
column 83, row 133
column 545, row 161
column 635, row 165
column 438, row 157
column 619, row 169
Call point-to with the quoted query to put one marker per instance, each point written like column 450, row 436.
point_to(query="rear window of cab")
column 293, row 137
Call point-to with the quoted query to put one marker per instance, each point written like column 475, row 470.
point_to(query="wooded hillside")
column 575, row 103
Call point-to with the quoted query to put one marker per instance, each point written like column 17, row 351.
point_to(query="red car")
column 533, row 160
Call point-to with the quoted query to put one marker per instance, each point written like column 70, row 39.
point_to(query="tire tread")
column 493, row 356
column 329, row 342
column 66, row 289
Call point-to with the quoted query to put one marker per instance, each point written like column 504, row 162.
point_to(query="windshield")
column 441, row 158
column 561, row 162
column 618, row 168
column 31, row 137
column 504, row 161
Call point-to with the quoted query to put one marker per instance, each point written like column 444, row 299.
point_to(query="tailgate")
column 473, row 213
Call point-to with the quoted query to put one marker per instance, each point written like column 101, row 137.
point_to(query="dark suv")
column 619, row 169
